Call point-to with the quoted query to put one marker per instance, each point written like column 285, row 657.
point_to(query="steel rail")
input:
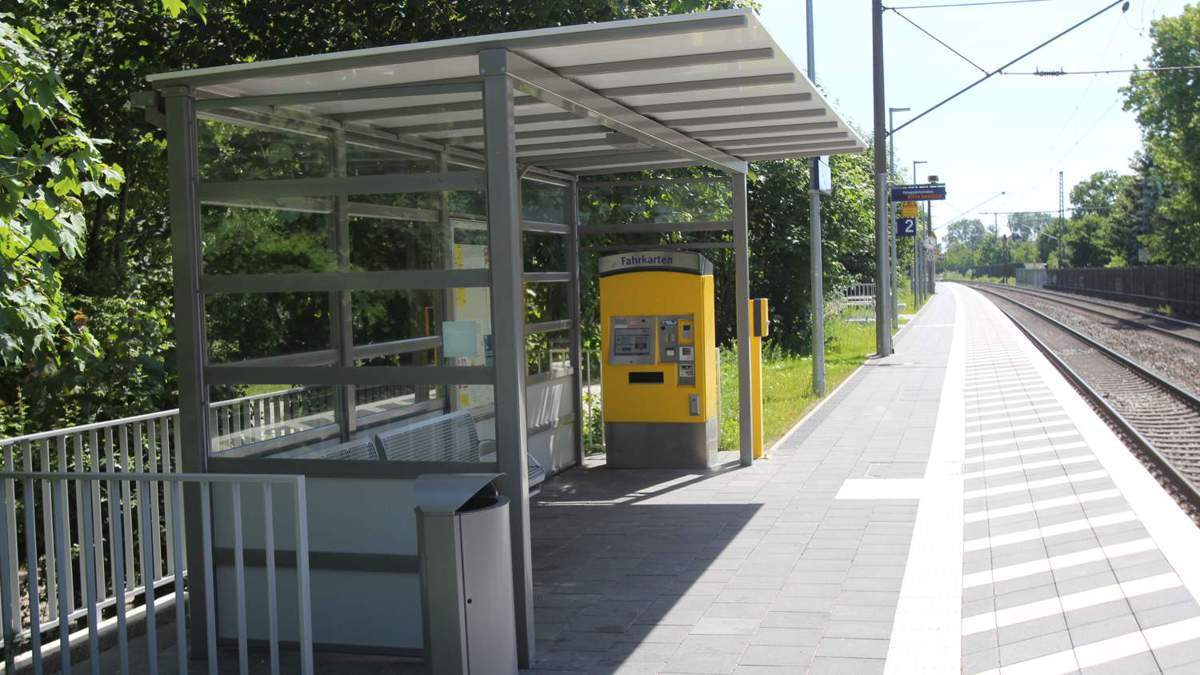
column 1069, row 301
column 1172, row 475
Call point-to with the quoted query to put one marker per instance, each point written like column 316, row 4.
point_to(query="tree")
column 969, row 232
column 1025, row 226
column 48, row 164
column 1083, row 241
column 1167, row 105
column 109, row 256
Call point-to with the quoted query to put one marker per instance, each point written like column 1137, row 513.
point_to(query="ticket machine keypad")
column 634, row 341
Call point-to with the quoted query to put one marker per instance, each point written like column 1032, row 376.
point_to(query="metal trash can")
column 466, row 574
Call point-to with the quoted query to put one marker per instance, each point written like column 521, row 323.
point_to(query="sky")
column 1011, row 134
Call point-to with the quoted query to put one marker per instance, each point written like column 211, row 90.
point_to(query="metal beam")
column 808, row 152
column 183, row 177
column 301, row 282
column 605, row 159
column 607, row 149
column 342, row 315
column 607, row 141
column 574, row 314
column 548, row 86
column 709, row 103
column 747, row 117
column 339, row 376
column 545, row 228
column 546, row 277
column 635, row 228
column 741, row 301
column 681, row 61
column 341, row 185
column 458, row 85
column 508, row 330
column 547, row 327
column 694, row 246
column 536, row 134
column 710, row 135
column 389, row 212
column 776, row 141
column 407, row 54
column 540, row 118
column 607, row 170
column 426, row 109
column 698, row 85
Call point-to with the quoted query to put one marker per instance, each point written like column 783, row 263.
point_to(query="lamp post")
column 883, row 314
column 892, row 236
column 814, row 234
column 916, row 264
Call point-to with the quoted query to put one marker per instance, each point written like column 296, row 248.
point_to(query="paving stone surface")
column 746, row 570
column 764, row 570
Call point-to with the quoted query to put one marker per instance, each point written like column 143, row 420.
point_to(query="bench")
column 446, row 438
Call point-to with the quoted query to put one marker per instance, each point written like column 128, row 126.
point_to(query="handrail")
column 83, row 428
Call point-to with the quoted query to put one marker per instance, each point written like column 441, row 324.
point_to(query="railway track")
column 1186, row 332
column 1160, row 419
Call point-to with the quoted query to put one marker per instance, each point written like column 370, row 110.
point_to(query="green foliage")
column 779, row 239
column 73, row 235
column 48, row 164
column 1167, row 104
column 787, row 378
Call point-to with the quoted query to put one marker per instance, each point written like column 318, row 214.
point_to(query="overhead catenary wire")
column 941, row 42
column 986, row 3
column 1060, row 73
column 990, row 74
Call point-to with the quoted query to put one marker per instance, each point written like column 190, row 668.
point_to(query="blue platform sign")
column 906, row 227
column 919, row 193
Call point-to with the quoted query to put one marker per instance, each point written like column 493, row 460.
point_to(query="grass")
column 787, row 380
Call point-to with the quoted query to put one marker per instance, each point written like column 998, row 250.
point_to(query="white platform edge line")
column 1176, row 535
column 926, row 632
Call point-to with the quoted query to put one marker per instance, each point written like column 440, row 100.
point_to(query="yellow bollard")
column 758, row 328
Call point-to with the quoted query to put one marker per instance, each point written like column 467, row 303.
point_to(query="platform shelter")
column 385, row 244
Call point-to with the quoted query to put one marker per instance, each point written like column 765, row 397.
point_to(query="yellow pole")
column 756, row 405
column 758, row 320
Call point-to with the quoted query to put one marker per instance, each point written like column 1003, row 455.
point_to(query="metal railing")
column 860, row 295
column 78, row 570
column 145, row 444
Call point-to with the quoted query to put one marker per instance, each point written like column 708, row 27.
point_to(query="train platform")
column 956, row 507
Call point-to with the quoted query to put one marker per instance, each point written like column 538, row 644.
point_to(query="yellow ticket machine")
column 659, row 371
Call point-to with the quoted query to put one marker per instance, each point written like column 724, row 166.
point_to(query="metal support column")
column 339, row 301
column 573, row 309
column 741, row 275
column 930, row 256
column 508, row 328
column 446, row 229
column 916, row 261
column 815, row 256
column 883, row 314
column 183, row 175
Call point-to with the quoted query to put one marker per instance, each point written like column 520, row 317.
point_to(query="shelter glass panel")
column 239, row 144
column 422, row 327
column 392, row 423
column 287, row 328
column 544, row 252
column 245, row 240
column 270, row 420
column 548, row 355
column 544, row 203
column 546, row 302
column 681, row 200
